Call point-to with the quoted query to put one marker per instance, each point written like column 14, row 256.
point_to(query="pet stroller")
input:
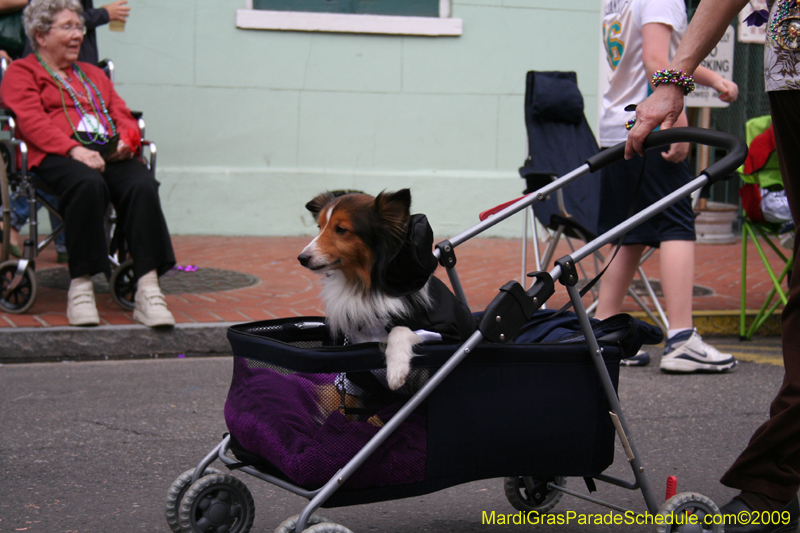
column 294, row 424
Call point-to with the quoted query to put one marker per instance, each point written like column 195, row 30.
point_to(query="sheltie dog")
column 370, row 292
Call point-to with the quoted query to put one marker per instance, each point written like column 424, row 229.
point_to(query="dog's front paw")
column 399, row 352
column 396, row 374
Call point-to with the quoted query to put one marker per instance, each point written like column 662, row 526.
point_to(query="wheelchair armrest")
column 108, row 67
column 9, row 117
column 152, row 152
column 10, row 149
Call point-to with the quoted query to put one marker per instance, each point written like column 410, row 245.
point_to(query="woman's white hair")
column 38, row 16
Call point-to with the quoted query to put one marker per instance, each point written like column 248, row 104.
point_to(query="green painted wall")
column 252, row 124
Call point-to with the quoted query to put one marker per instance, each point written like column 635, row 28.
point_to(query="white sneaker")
column 686, row 352
column 151, row 309
column 642, row 358
column 81, row 308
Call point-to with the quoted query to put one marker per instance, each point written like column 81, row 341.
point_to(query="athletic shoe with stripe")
column 686, row 352
column 642, row 358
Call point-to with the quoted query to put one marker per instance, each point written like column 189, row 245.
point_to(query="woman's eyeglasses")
column 68, row 28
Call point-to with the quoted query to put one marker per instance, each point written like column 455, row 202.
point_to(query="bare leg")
column 617, row 279
column 677, row 280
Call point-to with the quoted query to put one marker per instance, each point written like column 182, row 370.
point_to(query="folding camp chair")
column 559, row 139
column 761, row 171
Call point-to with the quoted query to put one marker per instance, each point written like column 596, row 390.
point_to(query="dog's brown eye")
column 340, row 230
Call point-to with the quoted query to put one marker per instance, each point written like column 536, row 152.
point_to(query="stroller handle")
column 737, row 149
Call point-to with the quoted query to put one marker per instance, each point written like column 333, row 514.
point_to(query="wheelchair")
column 18, row 284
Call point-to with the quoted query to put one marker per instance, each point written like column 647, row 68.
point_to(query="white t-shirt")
column 628, row 83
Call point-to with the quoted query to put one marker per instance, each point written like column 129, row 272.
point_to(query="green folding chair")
column 764, row 173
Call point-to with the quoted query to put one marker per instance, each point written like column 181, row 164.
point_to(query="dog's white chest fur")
column 364, row 318
column 350, row 311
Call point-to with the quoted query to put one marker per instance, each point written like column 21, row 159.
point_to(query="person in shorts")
column 640, row 37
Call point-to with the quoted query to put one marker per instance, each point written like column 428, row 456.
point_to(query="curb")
column 727, row 323
column 67, row 343
column 36, row 345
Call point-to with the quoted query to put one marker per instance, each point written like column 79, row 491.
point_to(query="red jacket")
column 32, row 94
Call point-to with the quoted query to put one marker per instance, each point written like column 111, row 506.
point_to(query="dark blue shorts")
column 617, row 185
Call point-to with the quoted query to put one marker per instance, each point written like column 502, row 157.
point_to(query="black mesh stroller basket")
column 510, row 410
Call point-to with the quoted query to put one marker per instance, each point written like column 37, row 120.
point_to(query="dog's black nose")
column 304, row 259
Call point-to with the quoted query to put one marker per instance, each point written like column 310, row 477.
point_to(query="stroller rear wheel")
column 527, row 493
column 16, row 294
column 690, row 513
column 175, row 496
column 217, row 503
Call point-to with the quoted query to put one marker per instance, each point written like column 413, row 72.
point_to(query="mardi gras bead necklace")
column 94, row 98
column 784, row 28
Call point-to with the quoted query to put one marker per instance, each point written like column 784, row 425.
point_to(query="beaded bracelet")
column 674, row 76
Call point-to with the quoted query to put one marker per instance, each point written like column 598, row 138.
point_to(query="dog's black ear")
column 394, row 210
column 316, row 205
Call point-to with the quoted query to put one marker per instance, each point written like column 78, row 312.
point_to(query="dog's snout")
column 304, row 259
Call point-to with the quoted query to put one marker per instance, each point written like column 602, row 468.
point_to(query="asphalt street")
column 94, row 446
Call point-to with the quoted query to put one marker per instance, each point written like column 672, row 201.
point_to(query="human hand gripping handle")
column 662, row 108
column 678, row 151
column 736, row 147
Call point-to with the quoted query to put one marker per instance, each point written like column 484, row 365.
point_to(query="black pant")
column 770, row 464
column 85, row 194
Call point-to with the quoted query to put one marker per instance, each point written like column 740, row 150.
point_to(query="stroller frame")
column 495, row 327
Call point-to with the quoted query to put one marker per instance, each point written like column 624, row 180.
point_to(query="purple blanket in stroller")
column 277, row 416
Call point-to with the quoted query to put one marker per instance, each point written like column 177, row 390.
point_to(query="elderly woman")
column 83, row 143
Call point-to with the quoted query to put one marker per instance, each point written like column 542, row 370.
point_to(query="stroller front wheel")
column 527, row 493
column 290, row 524
column 217, row 503
column 327, row 527
column 175, row 495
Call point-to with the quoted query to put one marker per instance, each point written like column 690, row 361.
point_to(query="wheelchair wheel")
column 219, row 502
column 5, row 218
column 123, row 286
column 526, row 493
column 19, row 298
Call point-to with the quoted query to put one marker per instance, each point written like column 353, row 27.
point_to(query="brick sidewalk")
column 286, row 289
